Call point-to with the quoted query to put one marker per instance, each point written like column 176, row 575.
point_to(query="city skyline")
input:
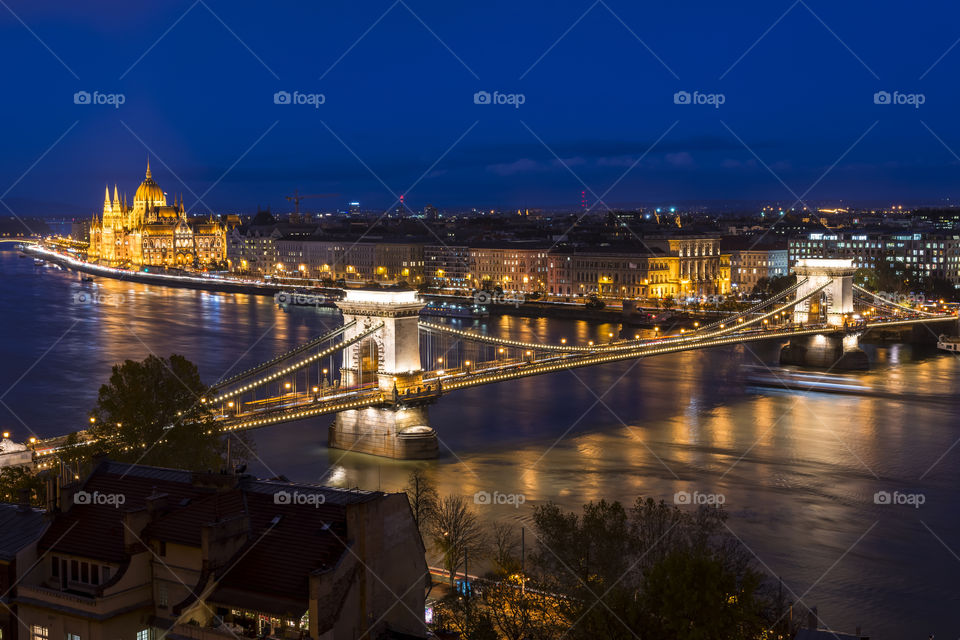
column 240, row 108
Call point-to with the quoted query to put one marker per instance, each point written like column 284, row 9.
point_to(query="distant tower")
column 583, row 200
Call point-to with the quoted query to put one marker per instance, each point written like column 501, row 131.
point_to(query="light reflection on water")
column 798, row 470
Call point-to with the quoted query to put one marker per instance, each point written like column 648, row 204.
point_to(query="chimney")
column 23, row 506
column 812, row 618
column 156, row 504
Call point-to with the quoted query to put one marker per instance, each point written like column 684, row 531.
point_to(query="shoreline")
column 165, row 280
column 530, row 309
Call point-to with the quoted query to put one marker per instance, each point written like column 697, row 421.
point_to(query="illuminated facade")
column 153, row 233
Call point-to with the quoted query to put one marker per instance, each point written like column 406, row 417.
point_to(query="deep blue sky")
column 201, row 96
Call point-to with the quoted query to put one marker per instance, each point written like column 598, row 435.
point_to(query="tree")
column 671, row 573
column 456, row 533
column 466, row 615
column 522, row 614
column 695, row 593
column 151, row 412
column 585, row 558
column 13, row 480
column 506, row 560
column 423, row 498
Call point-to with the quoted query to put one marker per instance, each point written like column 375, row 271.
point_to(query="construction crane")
column 296, row 198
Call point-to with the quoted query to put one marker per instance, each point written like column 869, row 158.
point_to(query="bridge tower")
column 390, row 358
column 833, row 306
column 835, row 301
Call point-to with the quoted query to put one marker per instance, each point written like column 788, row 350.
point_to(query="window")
column 162, row 594
column 143, row 634
column 39, row 633
column 55, row 566
column 73, row 636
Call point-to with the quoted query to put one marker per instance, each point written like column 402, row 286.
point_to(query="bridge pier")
column 391, row 358
column 391, row 432
column 840, row 352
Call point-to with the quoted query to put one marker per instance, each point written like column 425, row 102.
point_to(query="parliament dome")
column 150, row 191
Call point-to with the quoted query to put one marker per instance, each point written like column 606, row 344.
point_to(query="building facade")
column 142, row 553
column 610, row 275
column 749, row 266
column 153, row 233
column 933, row 254
column 520, row 269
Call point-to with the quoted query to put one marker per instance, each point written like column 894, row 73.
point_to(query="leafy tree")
column 151, row 412
column 423, row 497
column 694, row 594
column 456, row 533
column 13, row 480
column 670, row 573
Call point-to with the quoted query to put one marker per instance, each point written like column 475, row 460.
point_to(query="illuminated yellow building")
column 153, row 233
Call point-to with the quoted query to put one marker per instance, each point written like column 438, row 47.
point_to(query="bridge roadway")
column 305, row 405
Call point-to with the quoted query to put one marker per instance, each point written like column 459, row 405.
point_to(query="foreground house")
column 142, row 553
column 20, row 527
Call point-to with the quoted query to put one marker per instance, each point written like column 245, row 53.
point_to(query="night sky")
column 598, row 82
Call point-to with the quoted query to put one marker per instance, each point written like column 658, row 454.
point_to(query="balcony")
column 102, row 605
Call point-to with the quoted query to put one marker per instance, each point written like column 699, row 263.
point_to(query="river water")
column 798, row 471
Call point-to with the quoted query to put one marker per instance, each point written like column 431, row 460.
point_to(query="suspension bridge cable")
column 296, row 350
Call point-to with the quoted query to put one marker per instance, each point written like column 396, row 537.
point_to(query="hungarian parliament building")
column 153, row 233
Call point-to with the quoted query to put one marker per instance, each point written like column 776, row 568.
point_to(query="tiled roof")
column 18, row 528
column 295, row 529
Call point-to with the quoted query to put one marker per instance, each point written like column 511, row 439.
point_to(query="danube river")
column 798, row 472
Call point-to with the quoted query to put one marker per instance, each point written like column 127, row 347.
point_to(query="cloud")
column 679, row 159
column 523, row 165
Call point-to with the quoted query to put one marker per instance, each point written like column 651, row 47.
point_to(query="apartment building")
column 610, row 275
column 140, row 553
column 447, row 266
column 934, row 254
column 514, row 268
